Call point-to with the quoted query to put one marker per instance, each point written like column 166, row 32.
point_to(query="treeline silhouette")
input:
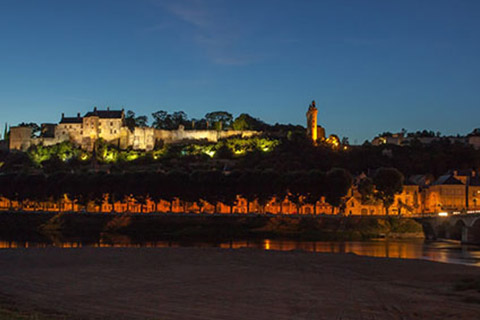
column 435, row 158
column 300, row 187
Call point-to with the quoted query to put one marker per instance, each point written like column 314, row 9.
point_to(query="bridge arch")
column 456, row 230
column 474, row 231
column 428, row 230
column 443, row 229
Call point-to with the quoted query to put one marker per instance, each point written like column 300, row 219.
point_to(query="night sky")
column 371, row 66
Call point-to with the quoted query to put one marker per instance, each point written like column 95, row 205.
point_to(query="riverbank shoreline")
column 94, row 228
column 209, row 283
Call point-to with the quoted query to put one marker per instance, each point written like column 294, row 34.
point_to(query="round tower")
column 312, row 121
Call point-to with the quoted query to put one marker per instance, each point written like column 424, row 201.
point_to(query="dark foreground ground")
column 193, row 283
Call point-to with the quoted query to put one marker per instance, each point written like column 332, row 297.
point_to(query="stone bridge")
column 463, row 227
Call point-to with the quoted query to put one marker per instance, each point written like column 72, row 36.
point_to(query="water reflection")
column 405, row 249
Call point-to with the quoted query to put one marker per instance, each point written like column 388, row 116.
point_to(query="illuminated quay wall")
column 242, row 206
column 450, row 195
column 131, row 205
column 411, row 201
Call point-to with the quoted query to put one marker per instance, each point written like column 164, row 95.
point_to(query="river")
column 446, row 252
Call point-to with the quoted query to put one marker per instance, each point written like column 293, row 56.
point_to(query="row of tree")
column 217, row 120
column 300, row 187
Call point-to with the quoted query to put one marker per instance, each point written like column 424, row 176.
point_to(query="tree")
column 161, row 119
column 247, row 122
column 5, row 132
column 132, row 121
column 219, row 119
column 315, row 187
column 199, row 124
column 179, row 118
column 141, row 121
column 338, row 182
column 366, row 189
column 296, row 183
column 388, row 182
column 16, row 162
column 34, row 126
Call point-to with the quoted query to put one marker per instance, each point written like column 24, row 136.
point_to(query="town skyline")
column 150, row 123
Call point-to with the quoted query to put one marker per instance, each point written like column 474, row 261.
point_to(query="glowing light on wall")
column 210, row 153
column 239, row 152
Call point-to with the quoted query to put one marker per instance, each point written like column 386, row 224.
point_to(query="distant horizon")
column 372, row 66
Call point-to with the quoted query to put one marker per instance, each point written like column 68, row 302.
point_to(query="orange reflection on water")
column 234, row 245
column 267, row 244
column 405, row 249
column 382, row 249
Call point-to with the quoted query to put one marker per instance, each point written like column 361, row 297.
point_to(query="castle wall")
column 142, row 139
column 47, row 141
column 95, row 125
column 20, row 138
column 180, row 134
column 173, row 136
column 109, row 129
column 69, row 132
column 233, row 133
column 474, row 141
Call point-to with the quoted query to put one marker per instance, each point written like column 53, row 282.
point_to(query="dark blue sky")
column 371, row 66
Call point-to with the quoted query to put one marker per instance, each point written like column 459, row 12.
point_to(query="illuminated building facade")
column 401, row 139
column 110, row 126
column 448, row 193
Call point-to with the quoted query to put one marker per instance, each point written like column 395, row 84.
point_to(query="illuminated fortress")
column 110, row 125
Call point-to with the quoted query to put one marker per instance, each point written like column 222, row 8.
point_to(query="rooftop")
column 105, row 114
column 71, row 119
column 447, row 180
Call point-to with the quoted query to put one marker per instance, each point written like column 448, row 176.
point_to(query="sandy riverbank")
column 191, row 283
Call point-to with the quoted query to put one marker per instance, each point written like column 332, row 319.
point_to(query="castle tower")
column 312, row 121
